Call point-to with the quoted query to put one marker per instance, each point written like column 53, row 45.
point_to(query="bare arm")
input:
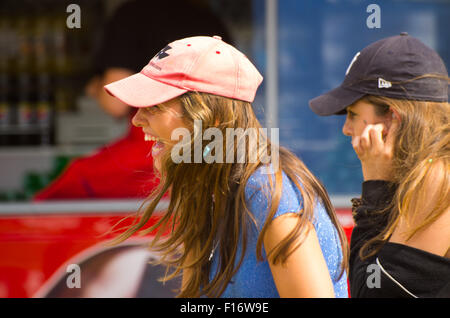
column 305, row 273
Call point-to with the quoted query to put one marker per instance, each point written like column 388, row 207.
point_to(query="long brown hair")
column 207, row 206
column 421, row 152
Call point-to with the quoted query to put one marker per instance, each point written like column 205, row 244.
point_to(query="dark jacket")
column 396, row 270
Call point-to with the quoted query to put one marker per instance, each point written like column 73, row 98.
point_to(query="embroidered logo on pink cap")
column 201, row 63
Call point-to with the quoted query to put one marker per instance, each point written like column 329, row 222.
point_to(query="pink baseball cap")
column 202, row 63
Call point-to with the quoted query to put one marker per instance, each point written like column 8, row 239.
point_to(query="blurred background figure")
column 123, row 168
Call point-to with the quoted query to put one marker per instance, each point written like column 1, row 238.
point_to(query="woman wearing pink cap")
column 239, row 226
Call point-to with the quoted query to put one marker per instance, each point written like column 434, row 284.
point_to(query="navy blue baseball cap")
column 390, row 67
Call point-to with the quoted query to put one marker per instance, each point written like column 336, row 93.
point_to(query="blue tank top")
column 254, row 278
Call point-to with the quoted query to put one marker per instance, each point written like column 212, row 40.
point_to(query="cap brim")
column 335, row 101
column 139, row 90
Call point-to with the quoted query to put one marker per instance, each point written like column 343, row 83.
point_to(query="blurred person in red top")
column 136, row 30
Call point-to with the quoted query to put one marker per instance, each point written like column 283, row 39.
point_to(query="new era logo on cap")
column 382, row 83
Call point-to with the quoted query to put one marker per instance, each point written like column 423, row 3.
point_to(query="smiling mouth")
column 148, row 137
column 157, row 147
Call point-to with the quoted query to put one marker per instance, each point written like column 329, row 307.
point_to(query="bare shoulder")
column 305, row 273
column 281, row 226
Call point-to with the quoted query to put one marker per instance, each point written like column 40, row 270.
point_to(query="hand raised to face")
column 375, row 150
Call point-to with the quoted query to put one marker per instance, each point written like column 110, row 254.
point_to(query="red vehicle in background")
column 60, row 249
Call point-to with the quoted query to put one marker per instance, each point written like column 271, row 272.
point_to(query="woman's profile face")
column 157, row 123
column 359, row 115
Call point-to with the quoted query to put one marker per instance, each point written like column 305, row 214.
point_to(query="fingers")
column 356, row 145
column 365, row 138
column 370, row 142
column 376, row 137
column 375, row 151
column 371, row 136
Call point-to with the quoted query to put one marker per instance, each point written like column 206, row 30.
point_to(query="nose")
column 138, row 119
column 347, row 129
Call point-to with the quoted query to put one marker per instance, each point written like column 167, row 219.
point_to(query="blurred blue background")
column 317, row 39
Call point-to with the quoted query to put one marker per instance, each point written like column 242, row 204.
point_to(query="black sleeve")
column 370, row 219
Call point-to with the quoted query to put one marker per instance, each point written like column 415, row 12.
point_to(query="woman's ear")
column 395, row 115
column 391, row 116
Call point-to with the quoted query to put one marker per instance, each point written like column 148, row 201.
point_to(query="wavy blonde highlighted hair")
column 421, row 159
column 207, row 206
